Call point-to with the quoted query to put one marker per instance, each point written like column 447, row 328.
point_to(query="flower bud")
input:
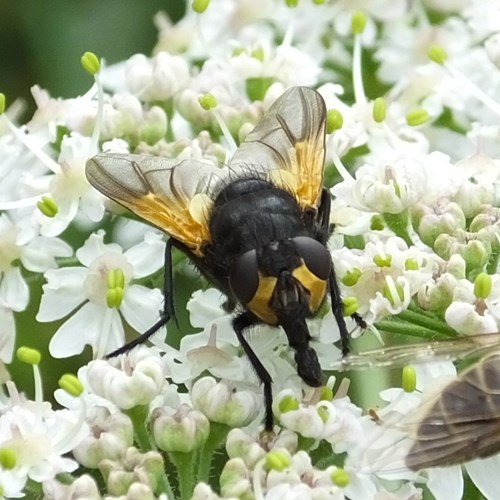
column 235, row 479
column 186, row 430
column 134, row 467
column 278, row 459
column 444, row 217
column 83, row 487
column 221, row 404
column 475, row 252
column 239, row 444
column 409, row 379
column 112, row 435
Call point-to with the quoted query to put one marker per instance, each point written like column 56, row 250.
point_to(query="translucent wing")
column 462, row 422
column 399, row 356
column 288, row 145
column 456, row 421
column 169, row 194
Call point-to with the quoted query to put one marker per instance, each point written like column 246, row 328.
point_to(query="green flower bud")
column 90, row 63
column 185, row 431
column 28, row 355
column 200, row 6
column 358, row 22
column 334, row 120
column 278, row 459
column 437, row 54
column 291, row 3
column 482, row 285
column 417, row 117
column 8, row 458
column 71, row 384
column 340, row 478
column 409, row 379
column 2, row 103
column 379, row 109
column 47, row 206
column 207, row 101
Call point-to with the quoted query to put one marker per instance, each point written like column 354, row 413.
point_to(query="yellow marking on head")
column 259, row 304
column 314, row 285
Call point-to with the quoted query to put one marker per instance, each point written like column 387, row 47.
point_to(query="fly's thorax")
column 284, row 278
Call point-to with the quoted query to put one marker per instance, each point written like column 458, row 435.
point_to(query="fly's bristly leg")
column 338, row 312
column 323, row 226
column 240, row 323
column 168, row 306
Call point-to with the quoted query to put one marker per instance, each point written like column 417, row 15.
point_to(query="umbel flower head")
column 412, row 95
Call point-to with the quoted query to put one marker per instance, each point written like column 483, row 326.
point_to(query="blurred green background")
column 41, row 41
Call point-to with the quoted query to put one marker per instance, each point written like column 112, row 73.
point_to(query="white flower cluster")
column 412, row 92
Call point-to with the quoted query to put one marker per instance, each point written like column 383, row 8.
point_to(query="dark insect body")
column 257, row 230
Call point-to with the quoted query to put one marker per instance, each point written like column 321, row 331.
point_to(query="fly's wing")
column 169, row 194
column 288, row 145
column 463, row 421
column 456, row 421
column 402, row 355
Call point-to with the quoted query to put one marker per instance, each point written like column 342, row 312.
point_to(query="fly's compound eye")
column 315, row 255
column 244, row 276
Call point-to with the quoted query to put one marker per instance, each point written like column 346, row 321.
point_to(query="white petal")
column 7, row 334
column 94, row 325
column 205, row 307
column 484, row 474
column 94, row 247
column 63, row 292
column 446, row 483
column 39, row 254
column 147, row 257
column 141, row 307
column 54, row 226
column 14, row 292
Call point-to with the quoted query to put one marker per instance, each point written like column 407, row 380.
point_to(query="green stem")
column 184, row 463
column 218, row 433
column 409, row 329
column 139, row 416
column 164, row 486
column 398, row 224
column 491, row 267
column 420, row 318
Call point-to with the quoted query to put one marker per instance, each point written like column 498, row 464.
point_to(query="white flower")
column 222, row 404
column 382, row 282
column 39, row 438
column 70, row 189
column 95, row 323
column 470, row 315
column 141, row 380
column 387, row 187
column 35, row 253
column 158, row 78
